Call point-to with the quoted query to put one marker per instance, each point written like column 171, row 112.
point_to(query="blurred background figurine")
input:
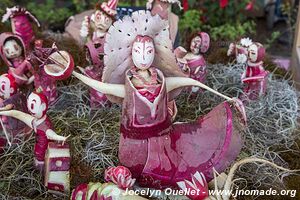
column 96, row 25
column 194, row 62
column 93, row 31
column 164, row 9
column 255, row 77
column 21, row 23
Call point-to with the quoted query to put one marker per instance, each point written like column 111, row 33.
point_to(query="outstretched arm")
column 51, row 135
column 117, row 90
column 24, row 117
column 178, row 82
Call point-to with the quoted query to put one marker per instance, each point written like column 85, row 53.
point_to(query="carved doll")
column 21, row 23
column 94, row 55
column 96, row 26
column 141, row 72
column 13, row 53
column 163, row 9
column 195, row 62
column 37, row 105
column 43, row 81
column 255, row 76
column 13, row 130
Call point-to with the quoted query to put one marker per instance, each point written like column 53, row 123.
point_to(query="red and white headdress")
column 205, row 42
column 12, row 82
column 110, row 7
column 150, row 3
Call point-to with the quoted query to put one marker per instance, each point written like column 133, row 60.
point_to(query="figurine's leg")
column 40, row 149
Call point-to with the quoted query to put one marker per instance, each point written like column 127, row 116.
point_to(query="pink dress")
column 197, row 68
column 160, row 153
column 40, row 127
column 255, row 80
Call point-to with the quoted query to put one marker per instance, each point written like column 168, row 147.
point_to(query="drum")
column 57, row 168
column 60, row 66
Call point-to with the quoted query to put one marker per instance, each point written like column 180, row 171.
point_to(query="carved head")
column 196, row 44
column 37, row 104
column 12, row 49
column 8, row 86
column 102, row 20
column 143, row 52
column 200, row 43
column 256, row 52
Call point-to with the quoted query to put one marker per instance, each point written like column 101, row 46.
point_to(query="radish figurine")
column 13, row 130
column 141, row 73
column 255, row 76
column 21, row 23
column 13, row 53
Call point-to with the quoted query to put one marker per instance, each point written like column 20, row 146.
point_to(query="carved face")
column 12, row 49
column 143, row 53
column 102, row 21
column 36, row 106
column 253, row 53
column 6, row 87
column 196, row 45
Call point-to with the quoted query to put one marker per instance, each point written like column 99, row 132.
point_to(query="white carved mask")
column 12, row 49
column 196, row 45
column 5, row 89
column 102, row 21
column 35, row 105
column 253, row 53
column 143, row 54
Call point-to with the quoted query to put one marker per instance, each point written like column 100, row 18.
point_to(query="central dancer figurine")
column 142, row 73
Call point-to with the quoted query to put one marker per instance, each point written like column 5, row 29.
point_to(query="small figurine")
column 13, row 53
column 37, row 105
column 96, row 26
column 118, row 187
column 13, row 130
column 195, row 62
column 43, row 81
column 164, row 9
column 94, row 30
column 21, row 23
column 94, row 55
column 142, row 73
column 255, row 76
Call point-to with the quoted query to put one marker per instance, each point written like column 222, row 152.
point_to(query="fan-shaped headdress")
column 119, row 41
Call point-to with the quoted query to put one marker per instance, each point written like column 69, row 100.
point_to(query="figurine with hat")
column 93, row 31
column 96, row 25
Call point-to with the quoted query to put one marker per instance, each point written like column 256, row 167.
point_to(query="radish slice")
column 62, row 67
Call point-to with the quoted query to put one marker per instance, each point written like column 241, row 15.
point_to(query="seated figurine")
column 13, row 53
